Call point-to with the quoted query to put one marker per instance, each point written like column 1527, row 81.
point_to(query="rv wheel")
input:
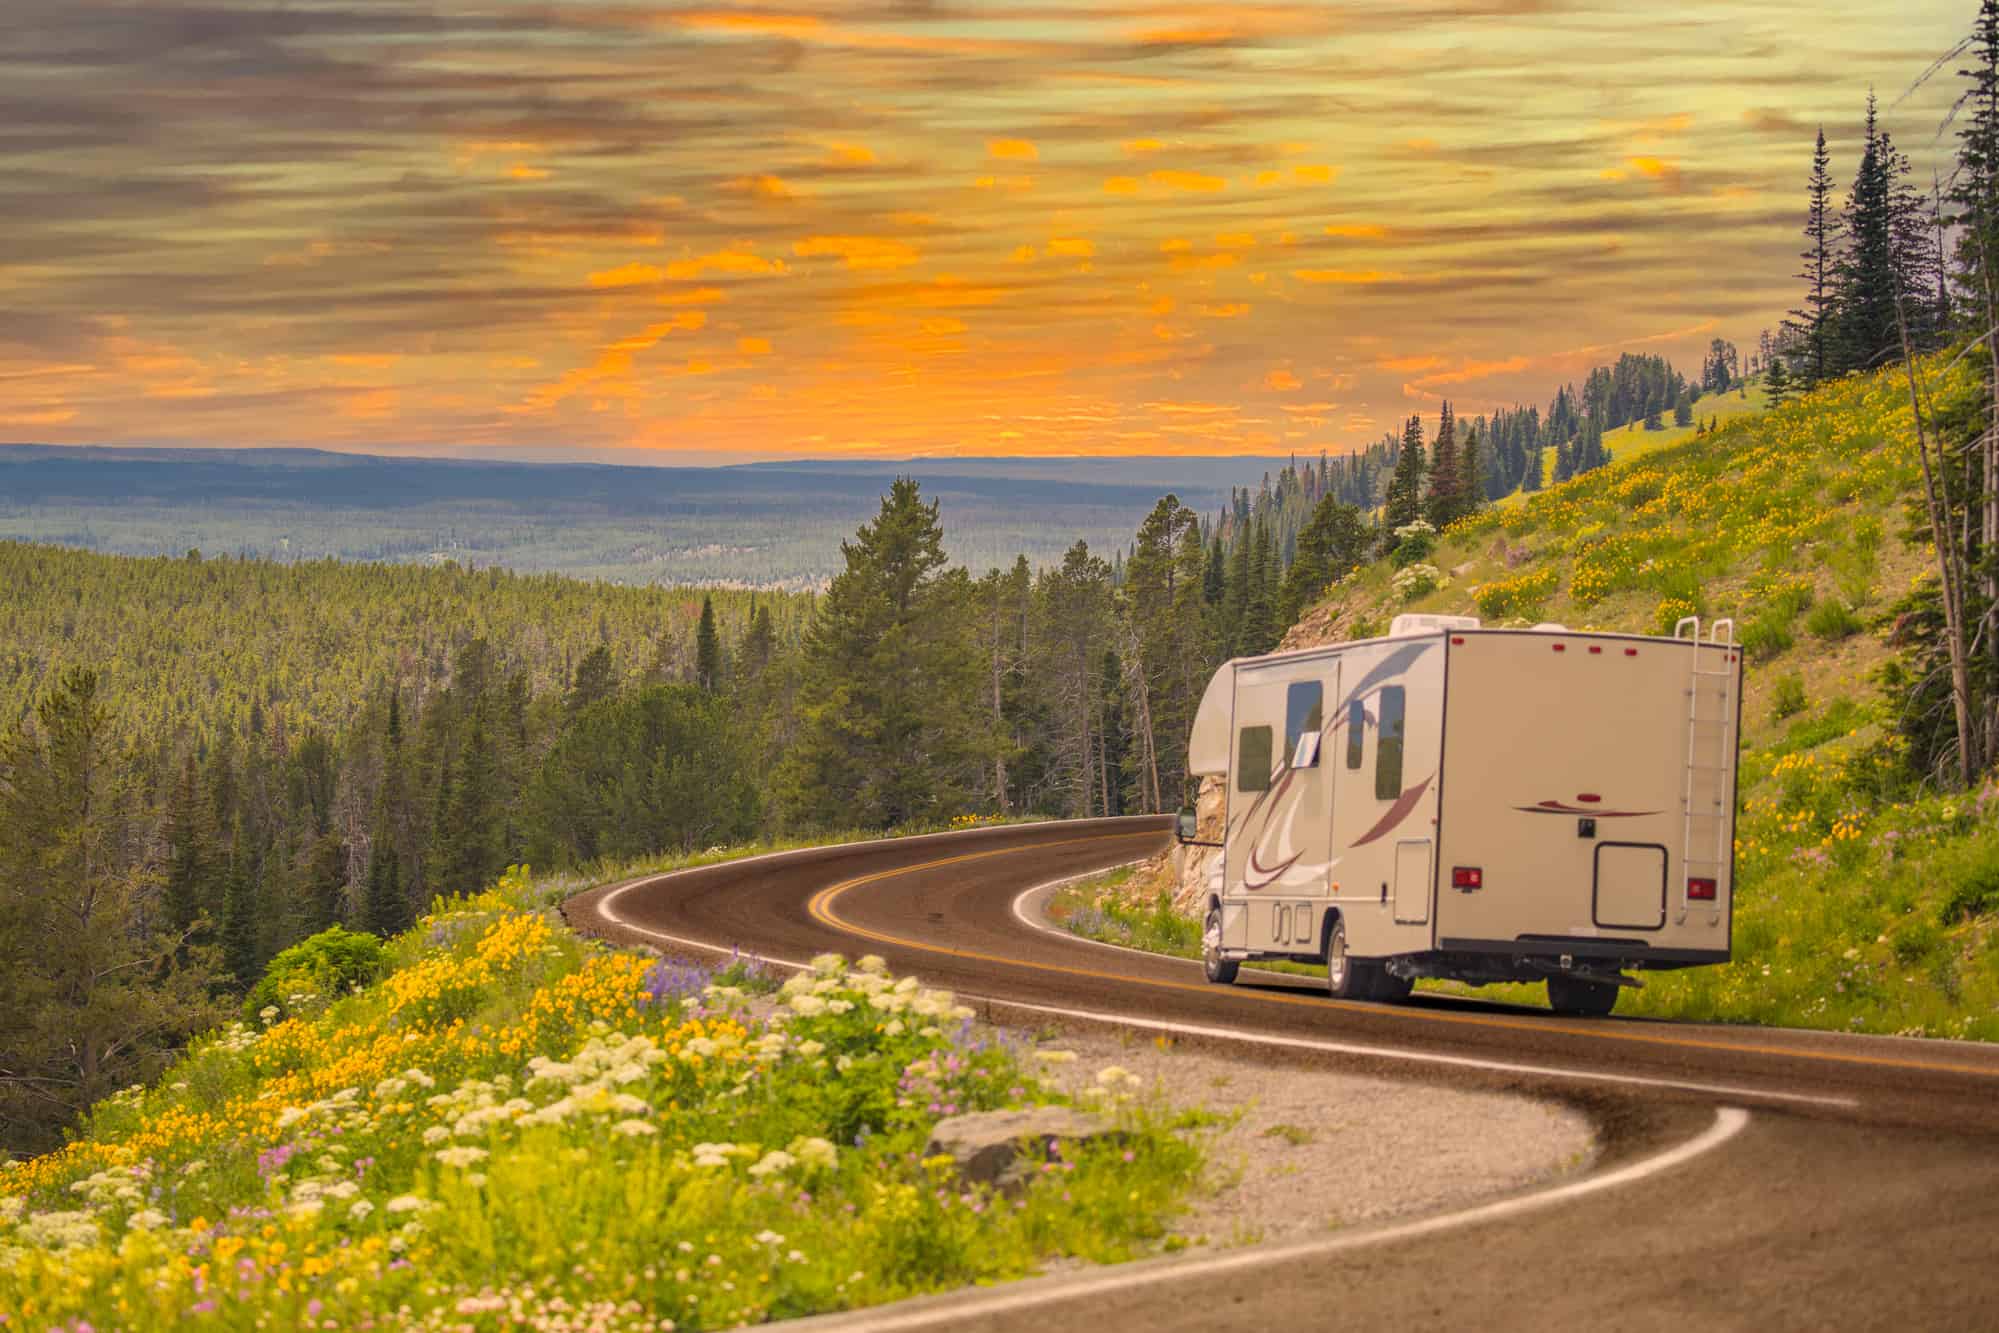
column 1347, row 978
column 1219, row 970
column 1583, row 999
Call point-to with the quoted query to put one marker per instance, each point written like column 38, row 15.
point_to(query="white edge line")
column 1358, row 1049
column 1729, row 1121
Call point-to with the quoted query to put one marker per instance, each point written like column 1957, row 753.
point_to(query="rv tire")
column 1579, row 998
column 1347, row 978
column 1219, row 970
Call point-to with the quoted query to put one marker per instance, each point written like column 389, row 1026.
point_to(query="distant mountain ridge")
column 761, row 524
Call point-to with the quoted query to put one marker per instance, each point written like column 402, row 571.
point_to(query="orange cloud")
column 1075, row 247
column 1235, row 240
column 842, row 154
column 1012, row 150
column 1140, row 147
column 1349, row 277
column 1315, row 174
column 1410, row 365
column 521, row 171
column 763, row 187
column 1666, row 171
column 1281, row 380
column 742, row 261
column 753, row 346
column 859, row 252
column 364, row 360
column 1226, row 310
column 1121, row 185
column 1190, row 263
column 1357, row 231
column 754, row 25
column 694, row 296
column 628, row 275
column 1187, row 180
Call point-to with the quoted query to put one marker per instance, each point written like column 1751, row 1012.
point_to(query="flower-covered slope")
column 514, row 1128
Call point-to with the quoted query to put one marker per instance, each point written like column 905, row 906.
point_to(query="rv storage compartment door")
column 1412, row 882
column 1630, row 886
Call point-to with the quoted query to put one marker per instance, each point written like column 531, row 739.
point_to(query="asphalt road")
column 1862, row 1193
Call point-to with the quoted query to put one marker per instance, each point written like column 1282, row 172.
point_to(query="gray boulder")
column 987, row 1146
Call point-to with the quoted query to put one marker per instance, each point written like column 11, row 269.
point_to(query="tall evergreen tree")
column 1404, row 502
column 97, row 991
column 1813, row 323
column 1445, row 500
column 1776, row 384
column 1869, row 281
column 707, row 649
column 191, row 882
column 892, row 730
column 596, row 678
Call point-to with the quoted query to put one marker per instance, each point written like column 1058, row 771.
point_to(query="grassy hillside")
column 1864, row 901
column 511, row 1127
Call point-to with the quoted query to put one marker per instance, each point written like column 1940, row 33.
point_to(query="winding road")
column 1860, row 1190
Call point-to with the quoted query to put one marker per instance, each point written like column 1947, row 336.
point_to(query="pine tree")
column 1330, row 547
column 1815, row 323
column 1404, row 502
column 1474, row 463
column 1776, row 383
column 1683, row 409
column 96, row 991
column 707, row 649
column 1214, row 575
column 1868, row 279
column 190, row 890
column 475, row 839
column 239, row 917
column 1260, row 630
column 596, row 678
column 1445, row 500
column 387, row 909
column 1974, row 194
column 892, row 730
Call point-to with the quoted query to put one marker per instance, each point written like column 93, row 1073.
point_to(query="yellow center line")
column 821, row 909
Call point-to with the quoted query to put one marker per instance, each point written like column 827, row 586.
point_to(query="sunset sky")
column 660, row 233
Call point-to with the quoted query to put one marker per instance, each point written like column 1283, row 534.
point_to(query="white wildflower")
column 773, row 1162
column 406, row 1203
column 702, row 1048
column 769, row 1237
column 839, row 1006
column 461, row 1156
column 805, row 1006
column 1055, row 1057
column 829, row 964
column 815, row 1152
column 632, row 1129
column 893, row 1027
column 809, row 1049
column 146, row 1219
column 872, row 963
column 360, row 1209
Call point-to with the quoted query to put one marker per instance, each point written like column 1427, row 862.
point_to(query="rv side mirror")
column 1188, row 827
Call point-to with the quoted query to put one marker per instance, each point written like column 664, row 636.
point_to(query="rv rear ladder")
column 1707, row 796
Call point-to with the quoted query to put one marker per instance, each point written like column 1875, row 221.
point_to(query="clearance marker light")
column 1559, row 647
column 1700, row 890
column 1467, row 877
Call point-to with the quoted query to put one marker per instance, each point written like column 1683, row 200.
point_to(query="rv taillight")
column 1467, row 877
column 1700, row 890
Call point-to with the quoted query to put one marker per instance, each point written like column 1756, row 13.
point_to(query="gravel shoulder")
column 1295, row 1153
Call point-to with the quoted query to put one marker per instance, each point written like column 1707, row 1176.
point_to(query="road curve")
column 1863, row 1193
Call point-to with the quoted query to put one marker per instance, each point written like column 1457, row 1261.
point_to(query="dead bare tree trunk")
column 1944, row 537
column 1140, row 689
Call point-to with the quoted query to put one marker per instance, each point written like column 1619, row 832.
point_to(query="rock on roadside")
column 987, row 1146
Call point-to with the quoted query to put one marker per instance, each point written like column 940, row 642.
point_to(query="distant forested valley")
column 775, row 526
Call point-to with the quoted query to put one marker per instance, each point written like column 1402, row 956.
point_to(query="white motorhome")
column 1481, row 804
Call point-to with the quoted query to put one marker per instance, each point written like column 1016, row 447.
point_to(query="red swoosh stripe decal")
column 1558, row 808
column 1397, row 812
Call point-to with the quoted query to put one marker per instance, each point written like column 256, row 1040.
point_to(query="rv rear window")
column 1304, row 704
column 1356, row 733
column 1252, row 759
column 1388, row 758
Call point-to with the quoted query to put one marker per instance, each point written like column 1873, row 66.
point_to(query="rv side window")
column 1388, row 757
column 1356, row 733
column 1303, row 705
column 1252, row 759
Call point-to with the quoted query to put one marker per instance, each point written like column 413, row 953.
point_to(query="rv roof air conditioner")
column 1551, row 627
column 1421, row 624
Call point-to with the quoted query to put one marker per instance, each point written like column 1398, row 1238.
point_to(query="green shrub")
column 1765, row 637
column 1831, row 619
column 327, row 965
column 1789, row 699
column 1976, row 893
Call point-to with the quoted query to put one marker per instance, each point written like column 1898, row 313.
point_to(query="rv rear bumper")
column 1624, row 952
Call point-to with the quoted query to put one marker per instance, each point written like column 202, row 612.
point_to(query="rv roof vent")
column 1420, row 624
column 1550, row 627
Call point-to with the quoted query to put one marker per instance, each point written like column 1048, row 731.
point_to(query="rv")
column 1479, row 804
